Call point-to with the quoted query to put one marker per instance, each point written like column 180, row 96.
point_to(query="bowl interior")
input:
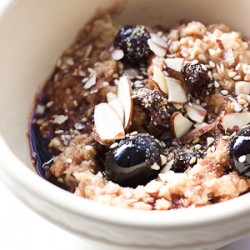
column 34, row 34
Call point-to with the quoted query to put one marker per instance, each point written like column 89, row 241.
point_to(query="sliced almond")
column 160, row 80
column 174, row 63
column 108, row 125
column 124, row 94
column 115, row 103
column 243, row 97
column 180, row 124
column 197, row 132
column 242, row 87
column 176, row 91
column 91, row 81
column 157, row 45
column 158, row 51
column 235, row 120
column 159, row 41
column 195, row 112
column 111, row 96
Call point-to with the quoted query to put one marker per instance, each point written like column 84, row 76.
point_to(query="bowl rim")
column 178, row 218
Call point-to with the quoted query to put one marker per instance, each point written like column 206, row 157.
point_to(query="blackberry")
column 155, row 105
column 130, row 163
column 196, row 79
column 183, row 158
column 133, row 40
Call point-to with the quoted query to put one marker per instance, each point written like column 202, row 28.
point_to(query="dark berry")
column 183, row 158
column 133, row 40
column 240, row 152
column 155, row 105
column 130, row 163
column 196, row 79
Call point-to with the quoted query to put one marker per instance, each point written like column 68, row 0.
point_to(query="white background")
column 22, row 229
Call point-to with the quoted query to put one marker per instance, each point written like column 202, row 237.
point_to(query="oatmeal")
column 147, row 118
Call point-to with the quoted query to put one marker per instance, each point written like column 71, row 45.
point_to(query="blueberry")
column 196, row 79
column 133, row 40
column 239, row 150
column 130, row 163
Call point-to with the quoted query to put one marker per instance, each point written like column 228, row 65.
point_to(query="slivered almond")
column 235, row 120
column 243, row 97
column 157, row 45
column 111, row 96
column 115, row 103
column 176, row 91
column 197, row 132
column 195, row 112
column 242, row 87
column 160, row 80
column 91, row 80
column 124, row 94
column 180, row 125
column 108, row 126
column 174, row 63
column 158, row 51
column 159, row 41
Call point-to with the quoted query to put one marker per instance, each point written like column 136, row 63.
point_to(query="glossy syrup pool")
column 39, row 149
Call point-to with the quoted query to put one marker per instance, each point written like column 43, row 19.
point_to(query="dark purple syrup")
column 43, row 158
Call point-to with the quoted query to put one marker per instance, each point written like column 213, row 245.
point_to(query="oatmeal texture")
column 91, row 68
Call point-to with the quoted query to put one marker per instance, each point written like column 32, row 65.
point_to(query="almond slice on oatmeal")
column 160, row 80
column 124, row 94
column 91, row 81
column 115, row 103
column 175, row 63
column 176, row 91
column 235, row 120
column 197, row 132
column 180, row 124
column 157, row 45
column 108, row 126
column 195, row 112
column 242, row 87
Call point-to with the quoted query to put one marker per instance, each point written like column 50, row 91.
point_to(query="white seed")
column 117, row 54
column 224, row 92
column 216, row 84
column 40, row 109
column 60, row 119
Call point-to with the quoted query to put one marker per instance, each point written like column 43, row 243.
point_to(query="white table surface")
column 22, row 229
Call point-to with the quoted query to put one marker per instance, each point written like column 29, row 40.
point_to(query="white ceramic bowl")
column 33, row 35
